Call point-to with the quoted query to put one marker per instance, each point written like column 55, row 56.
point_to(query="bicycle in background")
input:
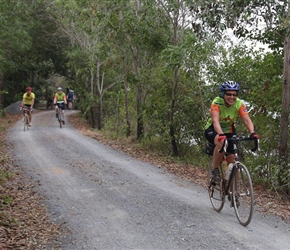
column 235, row 183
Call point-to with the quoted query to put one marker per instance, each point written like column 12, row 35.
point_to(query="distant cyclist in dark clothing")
column 70, row 99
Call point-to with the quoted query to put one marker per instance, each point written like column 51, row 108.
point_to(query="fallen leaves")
column 24, row 222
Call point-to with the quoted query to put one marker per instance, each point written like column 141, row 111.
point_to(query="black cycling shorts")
column 61, row 105
column 210, row 134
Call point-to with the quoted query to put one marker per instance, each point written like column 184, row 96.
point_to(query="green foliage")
column 143, row 63
column 30, row 50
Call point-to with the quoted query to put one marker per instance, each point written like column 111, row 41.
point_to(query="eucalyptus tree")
column 177, row 13
column 83, row 23
column 140, row 28
column 191, row 106
column 182, row 16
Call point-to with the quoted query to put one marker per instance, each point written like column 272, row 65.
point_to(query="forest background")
column 148, row 70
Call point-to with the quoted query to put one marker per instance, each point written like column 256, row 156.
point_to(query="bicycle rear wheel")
column 215, row 191
column 243, row 194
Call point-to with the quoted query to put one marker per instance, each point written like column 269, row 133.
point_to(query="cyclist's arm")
column 32, row 103
column 244, row 114
column 248, row 123
column 54, row 100
column 215, row 117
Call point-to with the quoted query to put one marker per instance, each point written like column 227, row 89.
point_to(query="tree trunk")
column 173, row 93
column 139, row 94
column 140, row 125
column 92, row 103
column 100, row 112
column 128, row 121
column 284, row 123
column 171, row 114
column 100, row 96
column 283, row 141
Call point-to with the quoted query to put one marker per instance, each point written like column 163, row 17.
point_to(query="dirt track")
column 111, row 201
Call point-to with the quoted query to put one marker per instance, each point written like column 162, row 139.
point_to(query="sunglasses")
column 234, row 95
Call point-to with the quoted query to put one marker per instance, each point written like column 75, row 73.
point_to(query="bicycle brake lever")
column 224, row 147
column 256, row 147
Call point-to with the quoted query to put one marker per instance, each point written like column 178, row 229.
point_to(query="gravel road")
column 109, row 200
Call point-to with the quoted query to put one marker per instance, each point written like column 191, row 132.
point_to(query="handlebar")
column 238, row 139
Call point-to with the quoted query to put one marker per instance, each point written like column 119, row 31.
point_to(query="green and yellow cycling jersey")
column 60, row 97
column 227, row 115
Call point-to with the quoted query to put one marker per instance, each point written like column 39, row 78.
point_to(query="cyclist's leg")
column 212, row 137
column 217, row 156
column 30, row 116
column 56, row 111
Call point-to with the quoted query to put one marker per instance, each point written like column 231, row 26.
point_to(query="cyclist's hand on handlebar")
column 254, row 136
column 222, row 137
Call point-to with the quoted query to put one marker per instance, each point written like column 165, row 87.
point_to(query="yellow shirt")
column 28, row 98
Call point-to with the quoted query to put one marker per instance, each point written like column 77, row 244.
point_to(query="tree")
column 15, row 23
column 285, row 110
column 83, row 23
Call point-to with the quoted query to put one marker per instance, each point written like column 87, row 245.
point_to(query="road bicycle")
column 25, row 117
column 236, row 183
column 59, row 114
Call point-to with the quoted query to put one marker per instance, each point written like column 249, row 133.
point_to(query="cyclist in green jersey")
column 225, row 110
column 60, row 97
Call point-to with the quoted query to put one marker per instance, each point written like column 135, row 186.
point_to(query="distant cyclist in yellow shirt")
column 60, row 97
column 28, row 101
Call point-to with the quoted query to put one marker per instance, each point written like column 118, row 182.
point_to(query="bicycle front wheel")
column 60, row 119
column 215, row 191
column 24, row 122
column 243, row 194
